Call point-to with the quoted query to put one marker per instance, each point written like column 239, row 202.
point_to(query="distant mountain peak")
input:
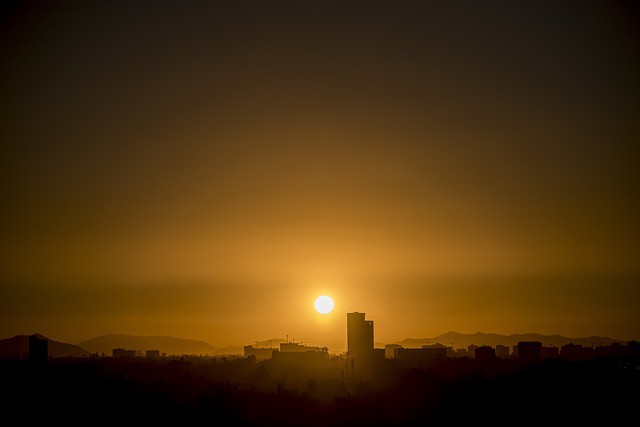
column 18, row 347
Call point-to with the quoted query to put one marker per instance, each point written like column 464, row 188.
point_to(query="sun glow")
column 324, row 304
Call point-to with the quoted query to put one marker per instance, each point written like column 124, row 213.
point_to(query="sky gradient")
column 206, row 170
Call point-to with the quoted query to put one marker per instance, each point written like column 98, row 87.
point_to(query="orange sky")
column 206, row 171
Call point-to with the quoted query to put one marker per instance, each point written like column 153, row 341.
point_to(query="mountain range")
column 18, row 348
column 458, row 340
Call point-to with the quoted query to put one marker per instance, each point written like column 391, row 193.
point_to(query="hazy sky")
column 205, row 170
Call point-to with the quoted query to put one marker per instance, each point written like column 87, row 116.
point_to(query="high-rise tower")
column 359, row 336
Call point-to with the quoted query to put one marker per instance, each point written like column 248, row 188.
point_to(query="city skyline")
column 365, row 357
column 359, row 342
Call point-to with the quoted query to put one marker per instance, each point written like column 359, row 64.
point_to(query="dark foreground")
column 319, row 393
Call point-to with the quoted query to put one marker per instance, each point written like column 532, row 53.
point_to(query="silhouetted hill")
column 170, row 345
column 479, row 338
column 18, row 347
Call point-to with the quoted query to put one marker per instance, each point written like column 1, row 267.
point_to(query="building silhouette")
column 121, row 352
column 259, row 353
column 153, row 354
column 294, row 347
column 502, row 351
column 471, row 349
column 529, row 351
column 390, row 350
column 574, row 352
column 38, row 349
column 485, row 354
column 359, row 336
column 550, row 352
column 118, row 352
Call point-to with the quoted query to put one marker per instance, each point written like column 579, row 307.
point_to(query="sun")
column 324, row 304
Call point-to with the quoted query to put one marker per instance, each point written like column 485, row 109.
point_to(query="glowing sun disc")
column 324, row 304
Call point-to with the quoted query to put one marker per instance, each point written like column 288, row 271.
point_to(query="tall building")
column 359, row 336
